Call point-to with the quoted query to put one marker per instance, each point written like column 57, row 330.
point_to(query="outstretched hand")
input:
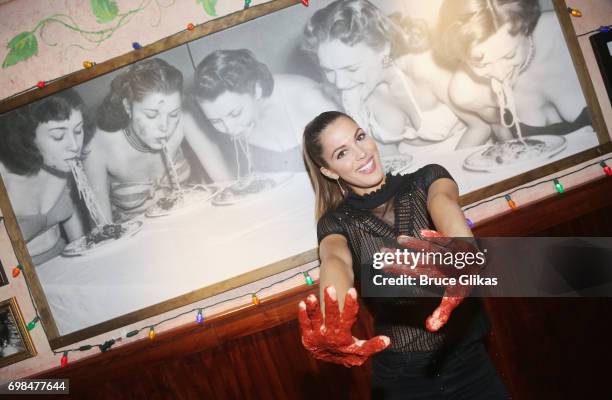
column 331, row 340
column 436, row 243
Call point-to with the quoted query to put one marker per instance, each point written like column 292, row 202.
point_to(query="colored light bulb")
column 64, row 360
column 32, row 324
column 308, row 279
column 606, row 168
column 469, row 222
column 88, row 64
column 199, row 317
column 136, row 45
column 190, row 26
column 575, row 12
column 255, row 299
column 511, row 202
column 41, row 84
column 151, row 333
column 305, row 2
column 559, row 186
column 17, row 271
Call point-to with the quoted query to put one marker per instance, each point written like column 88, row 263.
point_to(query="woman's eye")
column 175, row 114
column 58, row 138
column 236, row 114
column 151, row 115
column 361, row 136
column 341, row 154
column 78, row 131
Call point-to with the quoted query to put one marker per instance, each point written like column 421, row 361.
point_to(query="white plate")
column 79, row 246
column 480, row 161
column 223, row 199
column 194, row 196
column 396, row 163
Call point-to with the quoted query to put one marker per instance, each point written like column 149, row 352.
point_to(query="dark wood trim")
column 554, row 210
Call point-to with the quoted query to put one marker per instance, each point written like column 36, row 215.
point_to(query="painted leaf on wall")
column 21, row 47
column 209, row 6
column 104, row 10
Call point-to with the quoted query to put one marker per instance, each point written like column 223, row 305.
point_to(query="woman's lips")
column 368, row 168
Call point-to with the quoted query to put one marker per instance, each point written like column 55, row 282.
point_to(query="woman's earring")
column 340, row 186
column 387, row 61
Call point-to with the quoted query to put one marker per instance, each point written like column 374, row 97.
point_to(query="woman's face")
column 357, row 68
column 58, row 141
column 500, row 56
column 232, row 113
column 352, row 155
column 155, row 118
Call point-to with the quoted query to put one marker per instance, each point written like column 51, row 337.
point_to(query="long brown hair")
column 327, row 192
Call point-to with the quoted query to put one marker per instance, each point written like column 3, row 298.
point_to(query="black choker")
column 377, row 197
column 136, row 142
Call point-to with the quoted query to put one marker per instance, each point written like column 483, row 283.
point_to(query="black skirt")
column 464, row 373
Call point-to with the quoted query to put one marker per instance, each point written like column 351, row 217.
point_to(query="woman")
column 388, row 78
column 260, row 115
column 510, row 68
column 358, row 208
column 136, row 158
column 35, row 142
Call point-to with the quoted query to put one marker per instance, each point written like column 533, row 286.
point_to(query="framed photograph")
column 175, row 173
column 15, row 342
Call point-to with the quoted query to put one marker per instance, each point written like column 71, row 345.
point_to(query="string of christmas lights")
column 603, row 28
column 199, row 318
column 606, row 169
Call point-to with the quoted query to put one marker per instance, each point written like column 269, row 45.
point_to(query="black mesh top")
column 372, row 221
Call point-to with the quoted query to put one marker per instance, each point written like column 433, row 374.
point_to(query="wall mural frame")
column 221, row 26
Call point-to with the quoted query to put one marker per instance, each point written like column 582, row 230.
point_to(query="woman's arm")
column 336, row 267
column 206, row 150
column 73, row 226
column 443, row 206
column 468, row 100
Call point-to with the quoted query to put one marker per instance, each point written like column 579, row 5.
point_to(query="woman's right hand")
column 331, row 340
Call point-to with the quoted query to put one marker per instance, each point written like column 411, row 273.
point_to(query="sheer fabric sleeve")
column 432, row 172
column 327, row 225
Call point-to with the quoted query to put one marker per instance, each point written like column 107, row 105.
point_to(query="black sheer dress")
column 375, row 220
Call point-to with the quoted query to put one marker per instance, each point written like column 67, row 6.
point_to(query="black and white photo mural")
column 185, row 169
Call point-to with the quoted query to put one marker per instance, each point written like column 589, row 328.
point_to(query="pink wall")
column 153, row 23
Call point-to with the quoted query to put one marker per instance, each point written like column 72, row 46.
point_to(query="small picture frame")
column 3, row 278
column 15, row 341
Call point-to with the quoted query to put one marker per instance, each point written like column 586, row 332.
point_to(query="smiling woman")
column 35, row 144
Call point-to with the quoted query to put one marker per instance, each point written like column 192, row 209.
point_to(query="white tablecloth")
column 174, row 255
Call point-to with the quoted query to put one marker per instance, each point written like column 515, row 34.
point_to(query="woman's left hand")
column 435, row 242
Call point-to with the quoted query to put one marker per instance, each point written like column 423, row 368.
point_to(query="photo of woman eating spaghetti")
column 38, row 144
